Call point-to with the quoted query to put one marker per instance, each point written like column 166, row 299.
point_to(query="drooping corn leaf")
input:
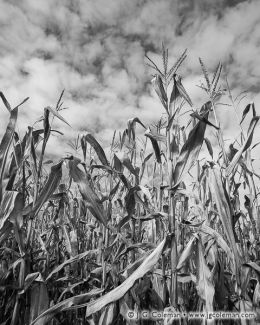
column 160, row 91
column 203, row 119
column 131, row 126
column 181, row 90
column 244, row 147
column 67, row 304
column 155, row 146
column 220, row 241
column 120, row 291
column 110, row 297
column 72, row 260
column 56, row 114
column 189, row 152
column 49, row 188
column 93, row 202
column 97, row 147
column 219, row 197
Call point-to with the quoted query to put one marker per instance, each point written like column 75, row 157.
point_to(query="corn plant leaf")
column 114, row 295
column 127, row 163
column 181, row 90
column 219, row 240
column 5, row 144
column 67, row 304
column 204, row 285
column 72, row 260
column 186, row 253
column 155, row 136
column 219, row 197
column 155, row 146
column 121, row 290
column 254, row 266
column 5, row 101
column 189, row 152
column 160, row 91
column 8, row 206
column 30, row 278
column 245, row 112
column 49, row 188
column 256, row 296
column 150, row 216
column 134, row 266
column 209, row 146
column 131, row 126
column 146, row 159
column 244, row 147
column 203, row 119
column 89, row 195
column 39, row 302
column 107, row 315
column 97, row 147
column 56, row 114
column 131, row 247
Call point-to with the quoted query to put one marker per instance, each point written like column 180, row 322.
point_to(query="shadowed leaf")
column 244, row 147
column 92, row 200
column 68, row 304
column 49, row 188
column 97, row 147
column 204, row 283
column 218, row 196
column 189, row 152
column 71, row 260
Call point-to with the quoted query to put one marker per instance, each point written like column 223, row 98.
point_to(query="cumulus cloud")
column 95, row 50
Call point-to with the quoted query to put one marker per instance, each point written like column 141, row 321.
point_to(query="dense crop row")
column 104, row 232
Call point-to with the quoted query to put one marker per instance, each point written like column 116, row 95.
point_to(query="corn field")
column 158, row 227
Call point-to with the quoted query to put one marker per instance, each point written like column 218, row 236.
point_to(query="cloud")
column 96, row 52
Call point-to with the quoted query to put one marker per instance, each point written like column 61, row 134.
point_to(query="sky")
column 95, row 50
